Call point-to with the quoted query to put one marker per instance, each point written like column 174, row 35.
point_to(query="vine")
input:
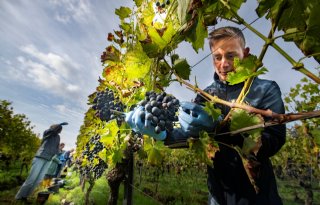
column 142, row 58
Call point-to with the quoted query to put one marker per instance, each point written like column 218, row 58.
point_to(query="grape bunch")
column 106, row 104
column 160, row 110
column 136, row 141
column 91, row 151
column 163, row 5
column 99, row 168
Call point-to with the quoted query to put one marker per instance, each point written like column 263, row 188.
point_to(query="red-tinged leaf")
column 110, row 37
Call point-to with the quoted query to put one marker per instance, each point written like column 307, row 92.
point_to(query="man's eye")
column 217, row 58
column 230, row 56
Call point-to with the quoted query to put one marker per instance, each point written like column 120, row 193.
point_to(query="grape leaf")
column 241, row 118
column 108, row 132
column 103, row 155
column 244, row 69
column 115, row 157
column 168, row 33
column 316, row 136
column 138, row 2
column 123, row 12
column 147, row 14
column 212, row 111
column 204, row 147
column 197, row 34
column 299, row 21
column 182, row 68
column 154, row 157
column 137, row 63
column 154, row 150
column 182, row 10
column 156, row 38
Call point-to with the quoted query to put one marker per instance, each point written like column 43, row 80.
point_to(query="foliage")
column 141, row 57
column 17, row 137
column 299, row 157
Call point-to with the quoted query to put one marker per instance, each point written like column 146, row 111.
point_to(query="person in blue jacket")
column 40, row 163
column 228, row 182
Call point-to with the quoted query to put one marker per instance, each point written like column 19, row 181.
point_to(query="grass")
column 156, row 187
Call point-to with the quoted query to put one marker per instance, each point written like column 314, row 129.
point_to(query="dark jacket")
column 227, row 180
column 50, row 143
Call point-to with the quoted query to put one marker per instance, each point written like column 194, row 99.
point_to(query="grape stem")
column 118, row 112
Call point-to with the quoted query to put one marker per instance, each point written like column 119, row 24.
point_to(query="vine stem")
column 215, row 99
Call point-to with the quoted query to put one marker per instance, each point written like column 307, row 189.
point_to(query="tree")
column 17, row 138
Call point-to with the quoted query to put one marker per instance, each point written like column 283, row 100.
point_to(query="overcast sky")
column 50, row 58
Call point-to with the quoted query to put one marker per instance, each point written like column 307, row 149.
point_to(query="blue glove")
column 194, row 119
column 133, row 118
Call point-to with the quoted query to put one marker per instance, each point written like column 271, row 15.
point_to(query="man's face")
column 223, row 52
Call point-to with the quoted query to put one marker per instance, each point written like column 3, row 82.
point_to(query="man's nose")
column 225, row 62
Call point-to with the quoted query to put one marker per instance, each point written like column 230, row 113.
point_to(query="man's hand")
column 194, row 119
column 64, row 123
column 138, row 123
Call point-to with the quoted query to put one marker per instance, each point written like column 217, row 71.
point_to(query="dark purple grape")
column 156, row 111
column 157, row 129
column 149, row 116
column 148, row 107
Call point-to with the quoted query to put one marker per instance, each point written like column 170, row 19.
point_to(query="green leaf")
column 182, row 68
column 316, row 136
column 108, row 132
column 212, row 111
column 182, row 10
column 241, row 119
column 153, row 150
column 154, row 157
column 138, row 2
column 127, row 27
column 197, row 34
column 156, row 38
column 168, row 33
column 298, row 19
column 248, row 145
column 123, row 12
column 244, row 69
column 116, row 156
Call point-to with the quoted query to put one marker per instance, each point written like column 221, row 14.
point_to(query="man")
column 40, row 163
column 228, row 182
column 62, row 159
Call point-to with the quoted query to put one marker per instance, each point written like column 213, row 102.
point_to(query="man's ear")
column 246, row 52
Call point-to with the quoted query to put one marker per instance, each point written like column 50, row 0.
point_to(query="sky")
column 50, row 58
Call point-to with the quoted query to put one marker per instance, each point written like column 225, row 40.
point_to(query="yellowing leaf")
column 156, row 38
column 137, row 64
column 108, row 133
column 103, row 155
column 204, row 147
